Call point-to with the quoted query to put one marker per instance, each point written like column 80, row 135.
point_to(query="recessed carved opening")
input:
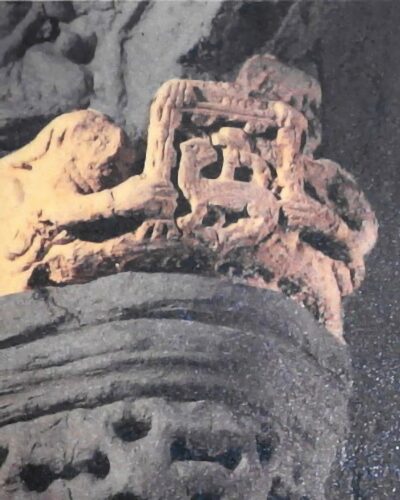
column 274, row 173
column 131, row 429
column 68, row 472
column 182, row 451
column 213, row 171
column 337, row 194
column 212, row 217
column 37, row 477
column 270, row 134
column 98, row 465
column 104, row 229
column 243, row 174
column 266, row 274
column 289, row 287
column 40, row 277
column 282, row 218
column 310, row 190
column 328, row 246
column 278, row 490
column 231, row 268
column 125, row 496
column 223, row 122
column 3, row 454
column 233, row 217
column 303, row 141
column 266, row 446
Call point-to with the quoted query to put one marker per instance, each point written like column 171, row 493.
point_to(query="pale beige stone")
column 76, row 169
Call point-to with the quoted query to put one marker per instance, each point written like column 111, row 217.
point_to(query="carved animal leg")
column 193, row 220
column 157, row 229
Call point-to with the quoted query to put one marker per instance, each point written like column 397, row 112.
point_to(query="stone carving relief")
column 229, row 186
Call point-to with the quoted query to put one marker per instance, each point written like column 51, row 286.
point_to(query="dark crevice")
column 334, row 249
column 181, row 450
column 270, row 134
column 214, row 214
column 31, row 334
column 17, row 132
column 213, row 171
column 243, row 174
column 3, row 454
column 231, row 268
column 131, row 429
column 282, row 219
column 266, row 444
column 310, row 190
column 125, row 496
column 289, row 287
column 232, row 217
column 136, row 16
column 40, row 277
column 105, row 229
column 38, row 477
column 221, row 122
column 98, row 465
column 336, row 194
column 303, row 141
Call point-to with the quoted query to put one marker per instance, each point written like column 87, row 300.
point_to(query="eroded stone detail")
column 167, row 386
column 228, row 186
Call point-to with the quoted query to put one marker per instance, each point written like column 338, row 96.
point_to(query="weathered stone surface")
column 226, row 173
column 352, row 49
column 64, row 178
column 167, row 386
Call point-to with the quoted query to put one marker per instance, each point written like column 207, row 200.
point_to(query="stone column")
column 167, row 386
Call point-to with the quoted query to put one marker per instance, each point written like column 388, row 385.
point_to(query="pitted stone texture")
column 167, row 386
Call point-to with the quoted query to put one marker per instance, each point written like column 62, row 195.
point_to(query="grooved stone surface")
column 167, row 386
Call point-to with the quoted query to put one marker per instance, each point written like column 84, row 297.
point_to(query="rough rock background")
column 112, row 56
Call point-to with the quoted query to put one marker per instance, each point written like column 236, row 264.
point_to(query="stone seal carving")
column 229, row 187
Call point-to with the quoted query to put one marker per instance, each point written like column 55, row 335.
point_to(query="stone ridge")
column 167, row 386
